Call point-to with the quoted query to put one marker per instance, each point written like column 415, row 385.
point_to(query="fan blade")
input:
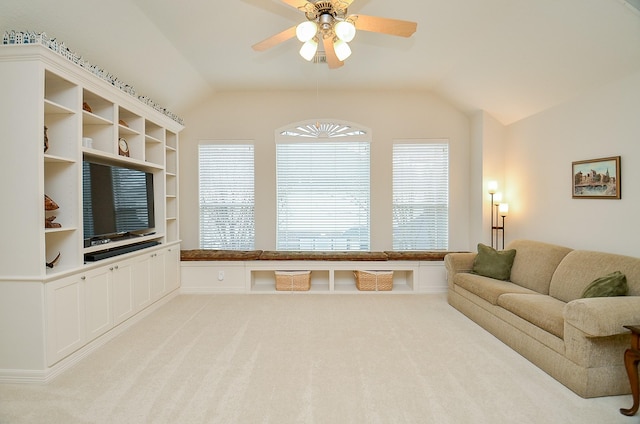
column 276, row 39
column 332, row 59
column 384, row 25
column 298, row 4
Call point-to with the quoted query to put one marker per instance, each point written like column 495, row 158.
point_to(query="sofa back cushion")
column 581, row 267
column 535, row 263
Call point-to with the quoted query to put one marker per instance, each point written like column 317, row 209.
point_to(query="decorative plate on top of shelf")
column 123, row 147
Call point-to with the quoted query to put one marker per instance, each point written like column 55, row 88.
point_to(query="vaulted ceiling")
column 511, row 58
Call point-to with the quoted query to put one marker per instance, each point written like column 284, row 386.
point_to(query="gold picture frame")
column 596, row 178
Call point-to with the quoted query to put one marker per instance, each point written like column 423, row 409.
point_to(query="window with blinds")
column 421, row 195
column 227, row 198
column 323, row 195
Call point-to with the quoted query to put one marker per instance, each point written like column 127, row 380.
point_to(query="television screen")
column 116, row 200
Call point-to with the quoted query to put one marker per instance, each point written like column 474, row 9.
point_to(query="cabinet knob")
column 117, row 266
column 83, row 278
column 111, row 269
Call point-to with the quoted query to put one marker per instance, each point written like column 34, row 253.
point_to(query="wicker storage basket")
column 293, row 280
column 374, row 280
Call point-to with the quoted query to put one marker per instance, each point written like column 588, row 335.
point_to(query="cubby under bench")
column 224, row 271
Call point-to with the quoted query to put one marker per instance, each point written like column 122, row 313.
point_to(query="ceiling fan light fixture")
column 308, row 49
column 343, row 51
column 345, row 31
column 306, row 31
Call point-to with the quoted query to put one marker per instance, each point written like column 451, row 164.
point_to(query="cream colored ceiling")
column 511, row 58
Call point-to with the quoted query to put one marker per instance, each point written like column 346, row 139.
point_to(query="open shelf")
column 63, row 106
column 331, row 276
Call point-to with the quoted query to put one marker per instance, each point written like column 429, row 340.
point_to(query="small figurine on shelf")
column 85, row 106
column 49, row 204
column 48, row 222
column 46, row 139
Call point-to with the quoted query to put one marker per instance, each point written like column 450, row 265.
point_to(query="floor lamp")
column 501, row 210
column 493, row 188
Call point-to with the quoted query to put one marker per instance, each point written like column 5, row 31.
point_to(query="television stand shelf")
column 116, row 251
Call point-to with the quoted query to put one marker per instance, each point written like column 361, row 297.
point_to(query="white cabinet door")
column 172, row 268
column 64, row 300
column 122, row 286
column 141, row 282
column 97, row 295
column 156, row 268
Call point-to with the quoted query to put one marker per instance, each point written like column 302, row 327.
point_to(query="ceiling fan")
column 329, row 24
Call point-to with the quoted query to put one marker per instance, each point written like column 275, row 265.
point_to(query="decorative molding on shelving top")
column 32, row 37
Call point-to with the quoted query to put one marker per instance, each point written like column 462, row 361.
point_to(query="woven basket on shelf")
column 293, row 280
column 374, row 280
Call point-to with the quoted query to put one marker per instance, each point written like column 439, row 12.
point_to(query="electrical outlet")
column 220, row 275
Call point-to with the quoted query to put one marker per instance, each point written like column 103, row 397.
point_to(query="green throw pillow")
column 614, row 284
column 490, row 262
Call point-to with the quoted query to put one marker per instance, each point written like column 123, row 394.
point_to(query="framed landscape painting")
column 596, row 178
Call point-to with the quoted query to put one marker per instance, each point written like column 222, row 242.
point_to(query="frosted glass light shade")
column 306, row 31
column 308, row 49
column 492, row 186
column 503, row 209
column 342, row 49
column 345, row 31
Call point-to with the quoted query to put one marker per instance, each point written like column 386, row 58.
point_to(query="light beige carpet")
column 301, row 358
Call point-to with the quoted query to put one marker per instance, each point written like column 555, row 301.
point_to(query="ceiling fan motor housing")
column 325, row 7
column 321, row 8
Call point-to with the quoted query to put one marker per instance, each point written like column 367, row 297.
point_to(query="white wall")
column 390, row 114
column 487, row 164
column 602, row 123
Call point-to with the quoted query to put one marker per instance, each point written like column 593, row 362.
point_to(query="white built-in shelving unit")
column 50, row 316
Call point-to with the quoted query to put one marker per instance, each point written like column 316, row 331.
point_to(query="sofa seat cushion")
column 486, row 288
column 541, row 310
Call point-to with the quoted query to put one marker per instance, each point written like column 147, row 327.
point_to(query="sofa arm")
column 603, row 316
column 458, row 262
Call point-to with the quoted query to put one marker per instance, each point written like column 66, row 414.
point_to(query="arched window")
column 323, row 186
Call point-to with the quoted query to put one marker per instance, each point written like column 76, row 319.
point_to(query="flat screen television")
column 115, row 201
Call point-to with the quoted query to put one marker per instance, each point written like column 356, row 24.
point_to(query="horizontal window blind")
column 323, row 199
column 421, row 196
column 227, row 198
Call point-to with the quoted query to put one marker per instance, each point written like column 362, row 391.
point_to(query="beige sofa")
column 539, row 312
